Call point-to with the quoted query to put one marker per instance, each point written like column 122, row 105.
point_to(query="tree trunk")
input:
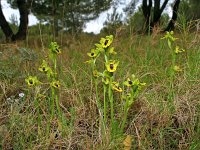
column 22, row 31
column 146, row 9
column 157, row 12
column 5, row 26
column 23, row 11
column 171, row 24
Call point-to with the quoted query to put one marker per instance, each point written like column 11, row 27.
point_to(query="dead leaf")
column 127, row 142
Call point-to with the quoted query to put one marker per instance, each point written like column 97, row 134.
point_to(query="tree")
column 113, row 22
column 69, row 15
column 171, row 24
column 22, row 30
column 194, row 9
column 152, row 15
column 153, row 10
column 190, row 9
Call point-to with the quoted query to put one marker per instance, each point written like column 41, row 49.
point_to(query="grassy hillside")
column 164, row 115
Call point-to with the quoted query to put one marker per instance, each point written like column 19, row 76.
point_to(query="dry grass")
column 153, row 121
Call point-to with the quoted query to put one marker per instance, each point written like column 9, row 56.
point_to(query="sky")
column 92, row 26
column 9, row 11
column 96, row 25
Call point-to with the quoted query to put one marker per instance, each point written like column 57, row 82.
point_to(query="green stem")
column 125, row 114
column 58, row 107
column 55, row 64
column 172, row 74
column 99, row 105
column 97, row 95
column 36, row 103
column 37, row 108
column 52, row 102
column 110, row 93
column 126, row 107
column 106, row 58
column 105, row 103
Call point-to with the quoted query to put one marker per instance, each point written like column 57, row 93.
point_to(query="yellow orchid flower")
column 96, row 74
column 55, row 84
column 46, row 69
column 105, row 42
column 54, row 48
column 89, row 61
column 112, row 51
column 32, row 81
column 111, row 65
column 94, row 53
column 178, row 50
column 169, row 35
column 128, row 82
column 134, row 82
column 177, row 68
column 105, row 80
column 115, row 86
